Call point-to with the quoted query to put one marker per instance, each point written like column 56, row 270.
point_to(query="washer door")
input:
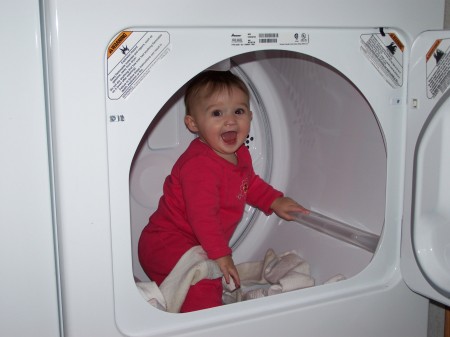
column 426, row 240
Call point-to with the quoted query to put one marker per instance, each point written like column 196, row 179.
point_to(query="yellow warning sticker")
column 433, row 49
column 438, row 68
column 385, row 52
column 130, row 56
column 397, row 41
column 118, row 41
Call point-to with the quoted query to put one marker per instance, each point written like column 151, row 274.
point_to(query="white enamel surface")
column 28, row 277
column 93, row 159
column 426, row 244
column 334, row 161
column 431, row 227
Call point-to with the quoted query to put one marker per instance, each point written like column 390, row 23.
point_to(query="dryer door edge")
column 425, row 252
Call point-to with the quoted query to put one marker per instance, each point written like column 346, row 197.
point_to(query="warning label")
column 130, row 56
column 438, row 68
column 385, row 52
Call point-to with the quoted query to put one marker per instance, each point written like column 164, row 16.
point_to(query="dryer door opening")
column 315, row 137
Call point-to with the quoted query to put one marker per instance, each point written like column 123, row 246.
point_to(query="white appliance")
column 350, row 118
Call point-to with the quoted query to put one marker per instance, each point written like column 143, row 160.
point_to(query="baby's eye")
column 217, row 113
column 239, row 111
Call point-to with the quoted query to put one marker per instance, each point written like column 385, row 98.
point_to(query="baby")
column 204, row 196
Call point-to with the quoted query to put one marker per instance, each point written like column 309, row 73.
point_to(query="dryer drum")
column 313, row 136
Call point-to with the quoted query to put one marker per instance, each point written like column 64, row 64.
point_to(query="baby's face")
column 222, row 120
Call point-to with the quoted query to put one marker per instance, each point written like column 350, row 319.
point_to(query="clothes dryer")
column 335, row 127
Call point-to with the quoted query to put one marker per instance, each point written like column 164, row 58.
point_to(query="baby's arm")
column 283, row 206
column 226, row 265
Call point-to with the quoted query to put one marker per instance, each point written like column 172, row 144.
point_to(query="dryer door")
column 425, row 260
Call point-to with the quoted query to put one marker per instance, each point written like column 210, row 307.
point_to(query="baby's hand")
column 284, row 206
column 228, row 269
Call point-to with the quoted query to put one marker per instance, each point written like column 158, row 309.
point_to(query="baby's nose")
column 230, row 119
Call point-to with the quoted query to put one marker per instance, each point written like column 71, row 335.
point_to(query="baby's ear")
column 189, row 121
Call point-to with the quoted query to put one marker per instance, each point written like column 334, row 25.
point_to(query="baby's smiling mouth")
column 229, row 137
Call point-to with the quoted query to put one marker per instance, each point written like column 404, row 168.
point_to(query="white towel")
column 152, row 294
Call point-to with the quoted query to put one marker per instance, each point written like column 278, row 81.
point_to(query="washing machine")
column 350, row 118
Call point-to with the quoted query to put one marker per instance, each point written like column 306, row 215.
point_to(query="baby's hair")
column 211, row 81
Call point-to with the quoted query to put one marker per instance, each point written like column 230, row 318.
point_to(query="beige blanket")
column 274, row 275
column 193, row 266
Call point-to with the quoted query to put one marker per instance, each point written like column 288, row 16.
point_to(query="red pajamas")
column 203, row 201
